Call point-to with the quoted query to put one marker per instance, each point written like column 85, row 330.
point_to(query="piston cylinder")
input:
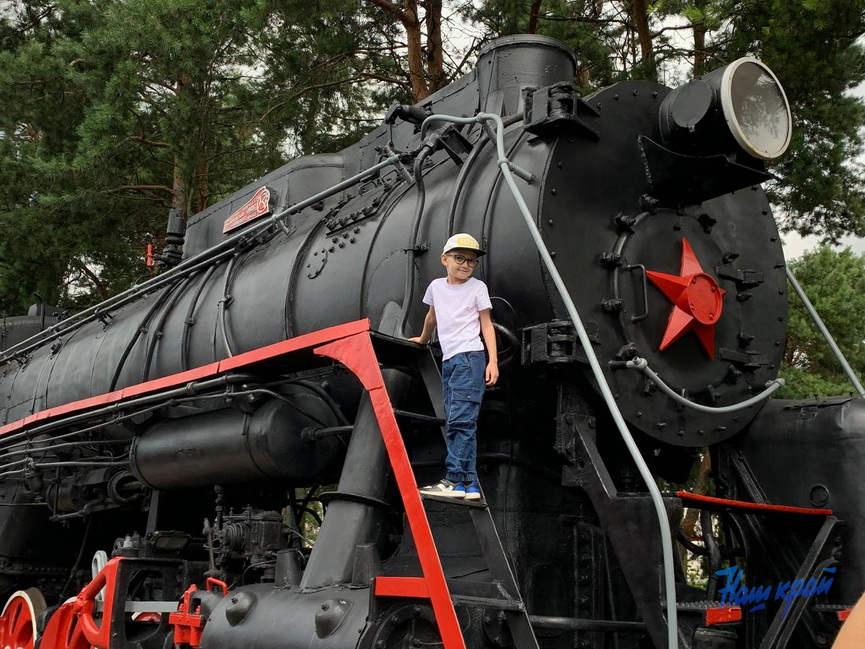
column 230, row 447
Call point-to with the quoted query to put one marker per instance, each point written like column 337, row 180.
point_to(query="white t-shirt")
column 457, row 307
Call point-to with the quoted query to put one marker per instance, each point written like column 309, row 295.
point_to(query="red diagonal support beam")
column 357, row 354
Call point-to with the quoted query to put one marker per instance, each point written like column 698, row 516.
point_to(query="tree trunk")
column 434, row 46
column 408, row 16
column 203, row 185
column 700, row 40
column 415, row 51
column 533, row 16
column 640, row 16
column 180, row 199
column 700, row 487
column 583, row 76
column 699, row 48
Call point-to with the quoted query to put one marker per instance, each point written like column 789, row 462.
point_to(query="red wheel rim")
column 18, row 621
column 63, row 632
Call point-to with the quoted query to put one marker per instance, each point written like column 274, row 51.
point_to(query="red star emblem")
column 697, row 301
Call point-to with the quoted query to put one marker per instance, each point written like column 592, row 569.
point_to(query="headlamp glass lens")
column 761, row 110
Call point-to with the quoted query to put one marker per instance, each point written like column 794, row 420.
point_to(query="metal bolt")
column 553, row 191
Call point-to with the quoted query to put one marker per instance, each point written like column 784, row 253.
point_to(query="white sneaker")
column 444, row 487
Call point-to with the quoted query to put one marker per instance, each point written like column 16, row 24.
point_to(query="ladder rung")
column 459, row 502
column 418, row 416
column 484, row 602
column 482, row 590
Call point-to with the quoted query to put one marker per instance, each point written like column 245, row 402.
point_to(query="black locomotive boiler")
column 159, row 453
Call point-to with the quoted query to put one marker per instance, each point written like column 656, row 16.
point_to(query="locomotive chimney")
column 509, row 64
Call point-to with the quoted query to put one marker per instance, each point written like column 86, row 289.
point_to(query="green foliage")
column 813, row 48
column 114, row 111
column 835, row 284
column 117, row 111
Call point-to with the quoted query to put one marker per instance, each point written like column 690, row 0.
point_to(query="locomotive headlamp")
column 742, row 102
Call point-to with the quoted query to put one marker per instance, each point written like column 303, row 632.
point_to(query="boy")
column 460, row 305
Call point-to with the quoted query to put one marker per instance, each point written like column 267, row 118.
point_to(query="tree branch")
column 390, row 8
column 146, row 142
column 100, row 285
column 139, row 189
column 298, row 93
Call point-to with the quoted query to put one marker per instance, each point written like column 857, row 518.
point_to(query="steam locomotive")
column 161, row 453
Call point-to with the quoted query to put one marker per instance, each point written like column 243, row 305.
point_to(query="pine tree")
column 122, row 110
column 835, row 284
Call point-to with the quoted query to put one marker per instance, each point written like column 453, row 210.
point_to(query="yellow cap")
column 463, row 241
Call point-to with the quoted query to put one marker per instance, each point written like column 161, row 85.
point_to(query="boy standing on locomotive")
column 460, row 306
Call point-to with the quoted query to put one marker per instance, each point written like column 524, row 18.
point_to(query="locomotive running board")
column 350, row 344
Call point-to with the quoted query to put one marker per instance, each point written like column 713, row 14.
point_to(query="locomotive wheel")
column 63, row 631
column 18, row 620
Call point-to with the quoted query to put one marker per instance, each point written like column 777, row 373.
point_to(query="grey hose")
column 642, row 365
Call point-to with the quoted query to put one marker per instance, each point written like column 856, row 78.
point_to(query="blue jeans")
column 463, row 388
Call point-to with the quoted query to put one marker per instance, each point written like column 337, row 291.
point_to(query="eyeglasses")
column 464, row 260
